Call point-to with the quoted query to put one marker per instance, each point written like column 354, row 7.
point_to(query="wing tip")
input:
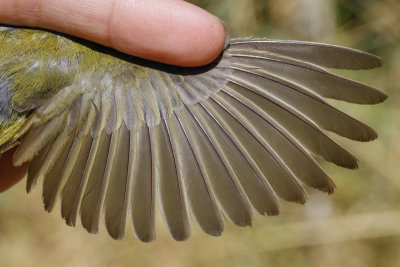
column 274, row 211
column 351, row 165
column 214, row 232
column 180, row 238
column 360, row 61
column 300, row 196
column 329, row 187
column 146, row 237
column 94, row 230
column 245, row 222
column 180, row 234
column 48, row 204
column 379, row 61
column 69, row 220
column 379, row 97
column 116, row 236
column 372, row 61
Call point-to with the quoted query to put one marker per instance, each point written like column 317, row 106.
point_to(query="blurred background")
column 359, row 225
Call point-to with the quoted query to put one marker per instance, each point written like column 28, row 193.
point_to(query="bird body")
column 114, row 134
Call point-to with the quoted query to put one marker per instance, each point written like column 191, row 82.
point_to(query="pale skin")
column 169, row 31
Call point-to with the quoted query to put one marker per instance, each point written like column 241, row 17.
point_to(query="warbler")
column 112, row 134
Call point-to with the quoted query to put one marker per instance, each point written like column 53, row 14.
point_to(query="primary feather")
column 116, row 135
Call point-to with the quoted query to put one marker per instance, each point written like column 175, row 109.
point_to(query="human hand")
column 169, row 31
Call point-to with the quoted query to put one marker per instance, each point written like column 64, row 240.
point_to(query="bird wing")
column 228, row 139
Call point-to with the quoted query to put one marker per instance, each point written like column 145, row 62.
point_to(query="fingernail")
column 227, row 35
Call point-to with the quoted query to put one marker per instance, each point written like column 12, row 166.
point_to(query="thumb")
column 10, row 175
column 169, row 31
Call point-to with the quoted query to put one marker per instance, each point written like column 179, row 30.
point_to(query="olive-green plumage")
column 45, row 63
column 117, row 135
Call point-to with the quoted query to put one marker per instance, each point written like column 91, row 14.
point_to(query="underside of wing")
column 226, row 140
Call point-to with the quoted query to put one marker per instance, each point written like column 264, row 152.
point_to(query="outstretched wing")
column 226, row 139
